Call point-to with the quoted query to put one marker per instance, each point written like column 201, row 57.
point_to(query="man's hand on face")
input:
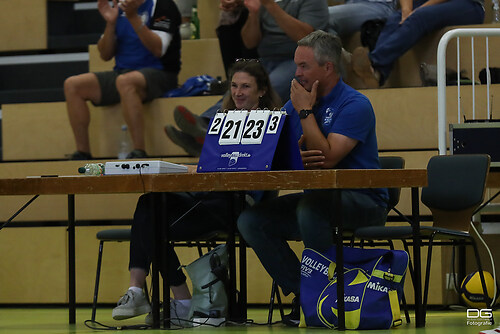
column 301, row 98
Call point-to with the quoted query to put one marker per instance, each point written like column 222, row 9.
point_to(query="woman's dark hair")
column 253, row 67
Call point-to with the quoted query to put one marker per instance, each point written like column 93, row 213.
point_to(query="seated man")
column 338, row 131
column 143, row 37
column 405, row 28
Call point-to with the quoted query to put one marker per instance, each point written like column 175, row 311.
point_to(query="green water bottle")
column 195, row 23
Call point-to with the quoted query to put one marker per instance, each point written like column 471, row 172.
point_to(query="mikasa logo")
column 350, row 299
column 377, row 287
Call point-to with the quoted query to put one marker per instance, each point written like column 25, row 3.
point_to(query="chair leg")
column 274, row 293
column 97, row 276
column 428, row 272
column 146, row 292
column 271, row 303
column 405, row 308
column 280, row 304
column 410, row 263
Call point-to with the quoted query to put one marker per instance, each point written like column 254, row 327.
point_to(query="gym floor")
column 54, row 320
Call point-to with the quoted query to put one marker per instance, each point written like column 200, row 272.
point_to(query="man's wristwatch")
column 305, row 112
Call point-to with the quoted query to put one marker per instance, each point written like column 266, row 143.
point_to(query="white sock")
column 136, row 289
column 185, row 302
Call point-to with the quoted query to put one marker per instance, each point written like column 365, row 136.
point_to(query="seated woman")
column 250, row 89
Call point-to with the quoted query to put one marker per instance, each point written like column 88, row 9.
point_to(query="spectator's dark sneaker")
column 190, row 123
column 78, row 155
column 187, row 142
column 293, row 318
column 137, row 154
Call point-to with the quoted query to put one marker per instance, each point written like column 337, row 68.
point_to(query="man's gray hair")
column 326, row 48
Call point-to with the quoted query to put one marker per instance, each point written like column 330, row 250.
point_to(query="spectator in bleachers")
column 143, row 37
column 274, row 27
column 405, row 28
column 347, row 18
column 249, row 88
column 233, row 15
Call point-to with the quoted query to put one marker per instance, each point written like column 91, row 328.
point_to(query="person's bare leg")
column 132, row 89
column 181, row 291
column 78, row 90
column 137, row 277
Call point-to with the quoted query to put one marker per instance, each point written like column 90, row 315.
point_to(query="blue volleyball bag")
column 373, row 288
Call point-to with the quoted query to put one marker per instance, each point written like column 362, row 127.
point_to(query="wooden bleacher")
column 37, row 136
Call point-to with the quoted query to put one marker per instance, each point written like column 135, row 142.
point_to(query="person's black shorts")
column 158, row 82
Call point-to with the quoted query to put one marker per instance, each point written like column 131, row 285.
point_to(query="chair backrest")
column 392, row 163
column 456, row 187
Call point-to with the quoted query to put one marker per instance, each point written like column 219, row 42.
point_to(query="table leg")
column 155, row 263
column 165, row 256
column 242, row 296
column 417, row 261
column 243, row 280
column 233, row 309
column 337, row 224
column 71, row 259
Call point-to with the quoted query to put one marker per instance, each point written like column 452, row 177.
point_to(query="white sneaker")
column 131, row 305
column 179, row 314
column 185, row 30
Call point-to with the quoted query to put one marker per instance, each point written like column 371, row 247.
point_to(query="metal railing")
column 441, row 75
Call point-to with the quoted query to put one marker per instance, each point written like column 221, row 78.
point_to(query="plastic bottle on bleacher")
column 124, row 148
column 496, row 11
column 92, row 169
column 195, row 23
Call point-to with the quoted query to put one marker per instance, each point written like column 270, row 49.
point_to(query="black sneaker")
column 137, row 154
column 187, row 142
column 292, row 319
column 79, row 155
column 190, row 123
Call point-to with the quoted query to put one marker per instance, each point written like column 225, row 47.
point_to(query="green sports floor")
column 54, row 320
